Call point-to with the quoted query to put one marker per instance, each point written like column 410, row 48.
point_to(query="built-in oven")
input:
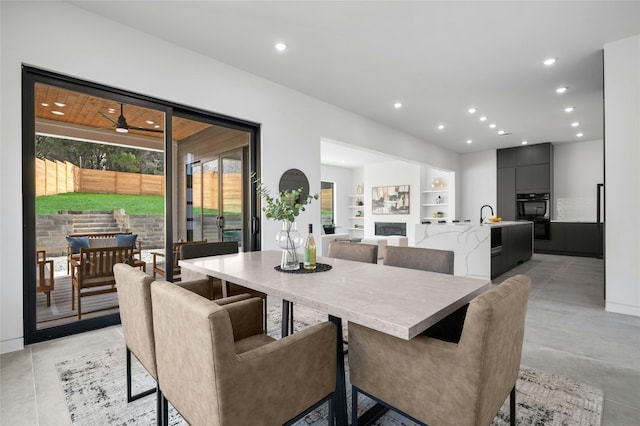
column 535, row 207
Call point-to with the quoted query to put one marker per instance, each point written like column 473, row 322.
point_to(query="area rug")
column 95, row 390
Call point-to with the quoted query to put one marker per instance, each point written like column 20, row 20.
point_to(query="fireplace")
column 391, row 228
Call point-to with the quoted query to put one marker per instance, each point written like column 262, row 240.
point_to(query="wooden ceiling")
column 84, row 110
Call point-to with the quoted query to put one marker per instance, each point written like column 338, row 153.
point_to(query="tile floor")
column 567, row 332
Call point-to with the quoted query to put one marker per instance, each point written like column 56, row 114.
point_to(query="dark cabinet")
column 534, row 178
column 507, row 157
column 517, row 247
column 533, row 154
column 574, row 239
column 524, row 169
column 507, row 193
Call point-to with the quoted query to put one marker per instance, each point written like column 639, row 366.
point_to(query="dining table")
column 398, row 301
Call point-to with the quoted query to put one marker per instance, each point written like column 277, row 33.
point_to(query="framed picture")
column 390, row 199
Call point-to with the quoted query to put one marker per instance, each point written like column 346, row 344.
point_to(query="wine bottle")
column 310, row 250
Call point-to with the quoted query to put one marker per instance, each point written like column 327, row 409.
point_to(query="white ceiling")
column 436, row 57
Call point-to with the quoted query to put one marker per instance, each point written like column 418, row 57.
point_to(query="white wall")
column 63, row 38
column 390, row 174
column 478, row 178
column 622, row 174
column 577, row 169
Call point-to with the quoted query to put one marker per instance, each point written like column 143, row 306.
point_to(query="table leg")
column 287, row 318
column 340, row 406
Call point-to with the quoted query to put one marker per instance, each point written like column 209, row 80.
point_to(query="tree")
column 91, row 155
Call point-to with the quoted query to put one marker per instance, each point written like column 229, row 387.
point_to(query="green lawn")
column 78, row 201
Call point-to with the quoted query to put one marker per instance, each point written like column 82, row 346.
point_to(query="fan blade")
column 145, row 129
column 108, row 118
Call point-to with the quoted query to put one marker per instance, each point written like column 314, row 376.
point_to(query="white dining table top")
column 398, row 301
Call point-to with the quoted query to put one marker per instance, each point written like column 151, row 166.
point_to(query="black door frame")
column 31, row 76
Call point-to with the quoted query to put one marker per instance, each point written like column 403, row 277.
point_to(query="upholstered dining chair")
column 216, row 367
column 420, row 258
column 134, row 298
column 442, row 383
column 218, row 248
column 353, row 251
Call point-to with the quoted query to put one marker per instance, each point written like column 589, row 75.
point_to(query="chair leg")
column 512, row 407
column 131, row 397
column 331, row 418
column 354, row 405
column 164, row 410
column 159, row 414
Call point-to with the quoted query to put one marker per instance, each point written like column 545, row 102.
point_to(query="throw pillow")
column 77, row 243
column 126, row 240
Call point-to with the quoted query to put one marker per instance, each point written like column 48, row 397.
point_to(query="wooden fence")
column 57, row 177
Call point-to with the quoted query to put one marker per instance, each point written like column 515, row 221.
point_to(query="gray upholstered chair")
column 420, row 258
column 216, row 367
column 218, row 248
column 353, row 251
column 134, row 298
column 443, row 383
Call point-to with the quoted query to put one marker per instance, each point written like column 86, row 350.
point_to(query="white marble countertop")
column 398, row 301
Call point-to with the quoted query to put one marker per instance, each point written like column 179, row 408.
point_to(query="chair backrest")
column 96, row 264
column 134, row 298
column 177, row 249
column 191, row 251
column 353, row 251
column 492, row 335
column 420, row 258
column 186, row 374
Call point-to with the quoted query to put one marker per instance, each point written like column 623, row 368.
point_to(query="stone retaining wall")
column 52, row 229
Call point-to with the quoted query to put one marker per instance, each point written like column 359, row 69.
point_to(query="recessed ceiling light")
column 561, row 89
column 281, row 47
column 149, row 122
column 569, row 109
column 501, row 132
column 579, row 135
column 440, row 126
column 492, row 125
column 111, row 110
column 483, row 118
column 157, row 126
column 575, row 124
column 472, row 110
column 469, row 141
column 397, row 105
column 524, row 142
column 57, row 112
column 44, row 104
column 549, row 61
column 122, row 130
column 60, row 104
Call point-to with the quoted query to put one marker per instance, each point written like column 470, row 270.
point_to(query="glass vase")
column 289, row 240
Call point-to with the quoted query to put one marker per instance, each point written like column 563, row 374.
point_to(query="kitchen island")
column 481, row 251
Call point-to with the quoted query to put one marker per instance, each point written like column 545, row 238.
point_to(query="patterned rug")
column 95, row 391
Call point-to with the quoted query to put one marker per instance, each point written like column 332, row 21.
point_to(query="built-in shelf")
column 432, row 205
column 356, row 219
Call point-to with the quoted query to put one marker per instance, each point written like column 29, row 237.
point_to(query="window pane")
column 327, row 215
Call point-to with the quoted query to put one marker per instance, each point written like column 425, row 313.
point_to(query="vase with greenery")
column 285, row 208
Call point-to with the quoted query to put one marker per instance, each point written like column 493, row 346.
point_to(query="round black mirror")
column 295, row 179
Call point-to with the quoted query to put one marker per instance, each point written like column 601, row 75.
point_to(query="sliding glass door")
column 99, row 162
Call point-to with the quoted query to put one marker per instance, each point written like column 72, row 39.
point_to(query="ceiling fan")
column 121, row 125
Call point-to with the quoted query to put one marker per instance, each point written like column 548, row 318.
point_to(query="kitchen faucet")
column 481, row 208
